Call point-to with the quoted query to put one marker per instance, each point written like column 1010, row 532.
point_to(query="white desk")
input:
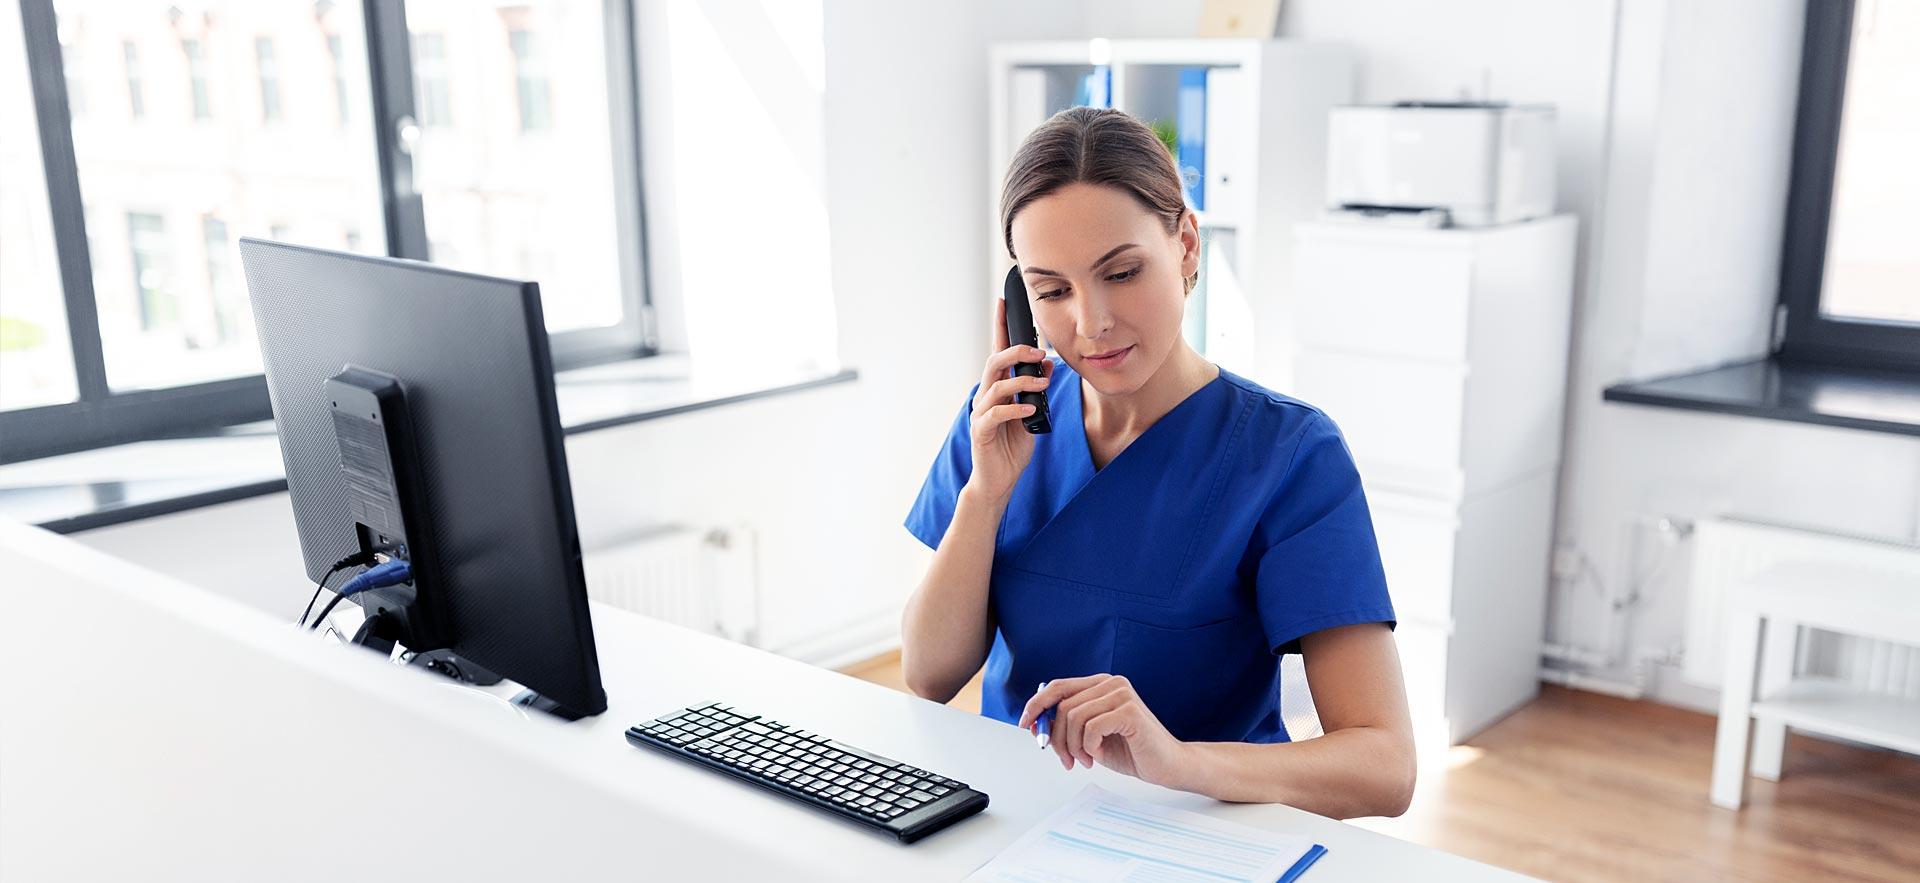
column 1025, row 783
column 247, row 776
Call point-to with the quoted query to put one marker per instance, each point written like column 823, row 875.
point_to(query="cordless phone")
column 1020, row 331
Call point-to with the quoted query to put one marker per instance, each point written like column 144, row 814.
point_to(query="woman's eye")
column 1050, row 295
column 1122, row 277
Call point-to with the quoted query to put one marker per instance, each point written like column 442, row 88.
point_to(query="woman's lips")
column 1109, row 361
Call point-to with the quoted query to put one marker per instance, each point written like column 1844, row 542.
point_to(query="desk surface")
column 232, row 778
column 650, row 668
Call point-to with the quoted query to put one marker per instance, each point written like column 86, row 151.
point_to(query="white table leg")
column 1729, row 788
column 1777, row 651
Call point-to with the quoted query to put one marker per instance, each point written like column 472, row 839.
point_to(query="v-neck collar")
column 1076, row 477
column 1084, row 447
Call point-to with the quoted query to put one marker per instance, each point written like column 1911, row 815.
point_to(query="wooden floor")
column 1579, row 786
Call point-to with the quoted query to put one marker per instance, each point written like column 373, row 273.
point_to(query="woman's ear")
column 1189, row 237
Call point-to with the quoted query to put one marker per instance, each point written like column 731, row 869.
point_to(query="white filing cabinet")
column 1442, row 355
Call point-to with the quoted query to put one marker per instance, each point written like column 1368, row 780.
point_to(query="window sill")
column 108, row 486
column 1876, row 400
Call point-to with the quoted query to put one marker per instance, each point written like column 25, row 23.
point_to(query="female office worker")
column 1179, row 530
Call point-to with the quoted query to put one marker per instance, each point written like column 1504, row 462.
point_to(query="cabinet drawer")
column 1405, row 415
column 1417, row 540
column 1402, row 300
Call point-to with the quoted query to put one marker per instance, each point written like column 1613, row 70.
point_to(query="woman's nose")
column 1092, row 318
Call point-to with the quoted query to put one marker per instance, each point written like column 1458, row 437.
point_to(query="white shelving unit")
column 1266, row 141
column 1442, row 355
column 1761, row 695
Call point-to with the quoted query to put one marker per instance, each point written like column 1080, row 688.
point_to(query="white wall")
column 1674, row 128
column 824, row 477
column 1674, row 159
column 1695, row 207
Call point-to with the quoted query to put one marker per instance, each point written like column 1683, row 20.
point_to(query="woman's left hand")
column 1100, row 719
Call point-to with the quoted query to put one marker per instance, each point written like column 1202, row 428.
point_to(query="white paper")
column 1101, row 836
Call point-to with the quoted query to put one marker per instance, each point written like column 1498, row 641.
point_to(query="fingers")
column 1004, row 390
column 1117, row 722
column 1004, row 358
column 1070, row 719
column 986, row 423
column 1054, row 692
column 999, row 336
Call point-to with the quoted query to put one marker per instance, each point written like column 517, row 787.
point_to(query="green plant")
column 1168, row 133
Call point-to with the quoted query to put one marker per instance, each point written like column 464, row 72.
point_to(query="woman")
column 1181, row 528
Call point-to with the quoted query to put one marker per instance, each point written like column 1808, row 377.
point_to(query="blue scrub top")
column 1189, row 564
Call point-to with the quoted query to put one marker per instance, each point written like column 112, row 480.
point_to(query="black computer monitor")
column 497, row 579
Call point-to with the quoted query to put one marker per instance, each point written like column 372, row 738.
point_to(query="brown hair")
column 1090, row 145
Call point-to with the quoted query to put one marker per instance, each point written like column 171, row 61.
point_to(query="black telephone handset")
column 1020, row 331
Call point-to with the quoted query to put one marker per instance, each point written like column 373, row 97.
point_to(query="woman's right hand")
column 1002, row 447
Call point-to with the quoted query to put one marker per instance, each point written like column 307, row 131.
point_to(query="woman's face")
column 1106, row 281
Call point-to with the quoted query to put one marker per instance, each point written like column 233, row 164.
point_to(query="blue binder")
column 1190, row 120
column 1096, row 89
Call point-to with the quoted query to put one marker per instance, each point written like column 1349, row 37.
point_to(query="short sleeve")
column 933, row 510
column 1322, row 569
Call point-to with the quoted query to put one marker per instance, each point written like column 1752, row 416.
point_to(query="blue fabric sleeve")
column 1322, row 569
column 933, row 510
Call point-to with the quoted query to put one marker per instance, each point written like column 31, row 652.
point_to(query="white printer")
column 1464, row 164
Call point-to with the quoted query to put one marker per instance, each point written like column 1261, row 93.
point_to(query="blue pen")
column 1044, row 724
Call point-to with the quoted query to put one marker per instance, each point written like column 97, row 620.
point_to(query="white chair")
column 1760, row 697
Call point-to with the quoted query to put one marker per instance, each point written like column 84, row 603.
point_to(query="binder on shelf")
column 1227, row 112
column 1190, row 121
column 1096, row 89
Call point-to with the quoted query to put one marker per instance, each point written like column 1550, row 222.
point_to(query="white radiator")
column 699, row 577
column 1727, row 550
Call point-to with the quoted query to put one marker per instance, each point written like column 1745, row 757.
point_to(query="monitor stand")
column 380, row 631
column 537, row 702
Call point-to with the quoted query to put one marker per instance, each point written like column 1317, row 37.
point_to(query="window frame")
column 100, row 416
column 1805, row 334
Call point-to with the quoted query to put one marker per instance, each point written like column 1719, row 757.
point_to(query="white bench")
column 1760, row 697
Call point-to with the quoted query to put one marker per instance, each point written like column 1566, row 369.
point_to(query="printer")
column 1461, row 164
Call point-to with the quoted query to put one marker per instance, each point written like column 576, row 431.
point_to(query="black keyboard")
column 886, row 795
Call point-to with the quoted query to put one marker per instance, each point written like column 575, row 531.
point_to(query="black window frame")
column 101, row 417
column 1807, row 335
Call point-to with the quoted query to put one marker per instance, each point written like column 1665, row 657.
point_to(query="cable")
column 379, row 576
column 321, row 587
column 357, row 558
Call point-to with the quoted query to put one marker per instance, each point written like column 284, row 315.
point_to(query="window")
column 517, row 167
column 152, row 283
column 36, row 362
column 76, row 76
column 228, row 299
column 530, row 82
column 133, row 234
column 136, row 94
column 269, row 72
column 430, row 70
column 337, row 52
column 197, row 78
column 1850, row 271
